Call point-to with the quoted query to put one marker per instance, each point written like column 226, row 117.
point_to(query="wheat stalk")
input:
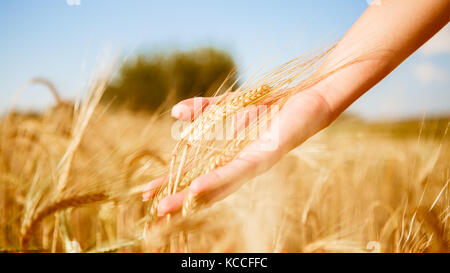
column 272, row 88
column 28, row 228
column 229, row 106
column 219, row 160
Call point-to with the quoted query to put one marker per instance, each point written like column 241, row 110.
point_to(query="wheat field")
column 354, row 187
column 72, row 177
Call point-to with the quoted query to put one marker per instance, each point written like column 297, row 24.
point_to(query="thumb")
column 189, row 109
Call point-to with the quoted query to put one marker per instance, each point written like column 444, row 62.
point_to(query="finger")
column 174, row 203
column 253, row 160
column 286, row 131
column 244, row 118
column 171, row 203
column 240, row 122
column 189, row 109
column 213, row 195
column 150, row 190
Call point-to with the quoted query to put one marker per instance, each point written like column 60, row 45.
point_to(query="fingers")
column 189, row 109
column 171, row 203
column 247, row 116
column 152, row 186
column 252, row 161
column 303, row 115
column 222, row 181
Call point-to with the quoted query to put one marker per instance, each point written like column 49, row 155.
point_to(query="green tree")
column 145, row 82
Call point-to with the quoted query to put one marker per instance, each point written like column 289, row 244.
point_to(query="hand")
column 301, row 116
column 377, row 51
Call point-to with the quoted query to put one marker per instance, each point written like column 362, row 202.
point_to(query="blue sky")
column 61, row 41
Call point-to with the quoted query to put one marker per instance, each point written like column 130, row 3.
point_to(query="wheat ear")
column 70, row 202
column 227, row 107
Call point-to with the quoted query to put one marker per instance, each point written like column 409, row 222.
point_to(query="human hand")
column 304, row 114
column 377, row 51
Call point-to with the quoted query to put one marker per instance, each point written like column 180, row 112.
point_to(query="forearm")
column 383, row 37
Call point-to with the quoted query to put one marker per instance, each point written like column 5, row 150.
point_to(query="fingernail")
column 177, row 111
column 150, row 186
column 162, row 208
column 146, row 196
column 195, row 187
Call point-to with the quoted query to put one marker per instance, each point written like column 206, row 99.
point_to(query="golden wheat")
column 354, row 187
column 71, row 202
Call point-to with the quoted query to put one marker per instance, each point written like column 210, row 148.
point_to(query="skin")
column 383, row 37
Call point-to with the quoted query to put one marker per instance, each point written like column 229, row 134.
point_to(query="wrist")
column 350, row 81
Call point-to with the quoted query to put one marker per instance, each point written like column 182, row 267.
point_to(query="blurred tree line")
column 145, row 82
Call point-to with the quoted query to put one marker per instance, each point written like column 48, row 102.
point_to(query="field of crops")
column 73, row 183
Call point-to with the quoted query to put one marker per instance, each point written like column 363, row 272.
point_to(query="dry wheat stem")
column 206, row 122
column 270, row 85
column 70, row 202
